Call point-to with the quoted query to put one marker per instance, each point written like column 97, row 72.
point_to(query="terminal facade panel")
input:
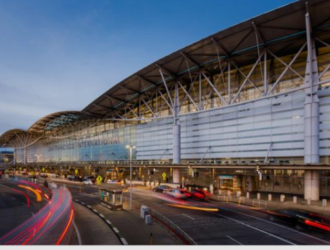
column 245, row 109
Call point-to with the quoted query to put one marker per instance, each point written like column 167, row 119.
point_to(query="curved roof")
column 10, row 134
column 282, row 30
column 45, row 124
column 55, row 120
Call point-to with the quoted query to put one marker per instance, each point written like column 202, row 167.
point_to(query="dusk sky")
column 60, row 55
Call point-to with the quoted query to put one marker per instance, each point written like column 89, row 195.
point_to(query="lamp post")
column 130, row 147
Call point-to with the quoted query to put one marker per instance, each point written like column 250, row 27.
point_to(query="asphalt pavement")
column 233, row 224
column 91, row 229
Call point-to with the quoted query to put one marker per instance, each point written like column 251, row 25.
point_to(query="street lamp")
column 130, row 147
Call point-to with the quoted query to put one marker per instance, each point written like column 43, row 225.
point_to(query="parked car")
column 92, row 178
column 88, row 182
column 70, row 177
column 162, row 188
column 301, row 220
column 112, row 181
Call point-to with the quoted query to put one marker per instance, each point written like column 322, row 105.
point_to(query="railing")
column 259, row 203
column 241, row 200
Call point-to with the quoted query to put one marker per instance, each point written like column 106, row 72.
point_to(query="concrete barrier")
column 258, row 196
column 324, row 202
column 270, row 197
column 295, row 199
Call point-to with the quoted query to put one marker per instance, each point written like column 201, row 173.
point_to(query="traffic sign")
column 164, row 176
column 99, row 179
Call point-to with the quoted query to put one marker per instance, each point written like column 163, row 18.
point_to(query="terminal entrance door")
column 229, row 182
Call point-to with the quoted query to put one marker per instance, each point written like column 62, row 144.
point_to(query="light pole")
column 130, row 147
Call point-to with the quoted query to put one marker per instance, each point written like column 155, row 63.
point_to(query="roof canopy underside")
column 49, row 123
column 282, row 30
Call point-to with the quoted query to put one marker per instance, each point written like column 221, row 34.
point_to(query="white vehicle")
column 88, row 182
column 53, row 185
column 113, row 181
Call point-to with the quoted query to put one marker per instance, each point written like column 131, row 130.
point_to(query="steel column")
column 176, row 128
column 229, row 83
column 265, row 74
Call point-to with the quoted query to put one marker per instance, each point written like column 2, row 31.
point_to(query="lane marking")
column 234, row 240
column 257, row 229
column 77, row 231
column 279, row 225
column 124, row 241
column 115, row 229
column 95, row 210
column 83, row 203
column 101, row 215
column 109, row 222
column 89, row 206
column 189, row 216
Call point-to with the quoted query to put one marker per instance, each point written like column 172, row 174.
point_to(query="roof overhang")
column 281, row 30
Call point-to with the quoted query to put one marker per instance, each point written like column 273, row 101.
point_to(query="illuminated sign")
column 86, row 144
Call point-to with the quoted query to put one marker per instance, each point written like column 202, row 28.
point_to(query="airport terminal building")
column 247, row 108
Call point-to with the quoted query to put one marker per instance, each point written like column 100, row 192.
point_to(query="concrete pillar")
column 176, row 175
column 176, row 128
column 312, row 185
column 311, row 117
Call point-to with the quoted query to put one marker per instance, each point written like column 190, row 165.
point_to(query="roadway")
column 231, row 225
column 34, row 215
column 16, row 206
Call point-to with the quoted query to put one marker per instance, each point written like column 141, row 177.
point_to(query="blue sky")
column 59, row 55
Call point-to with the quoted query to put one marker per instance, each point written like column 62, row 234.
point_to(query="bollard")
column 282, row 198
column 309, row 201
column 151, row 239
column 270, row 197
column 247, row 195
column 295, row 199
column 324, row 202
column 148, row 219
column 239, row 201
column 258, row 196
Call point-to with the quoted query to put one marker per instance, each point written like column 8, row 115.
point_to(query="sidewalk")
column 275, row 203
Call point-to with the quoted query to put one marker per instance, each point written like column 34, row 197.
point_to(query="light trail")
column 32, row 190
column 66, row 229
column 194, row 208
column 49, row 221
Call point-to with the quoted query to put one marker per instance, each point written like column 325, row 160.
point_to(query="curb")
column 108, row 222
